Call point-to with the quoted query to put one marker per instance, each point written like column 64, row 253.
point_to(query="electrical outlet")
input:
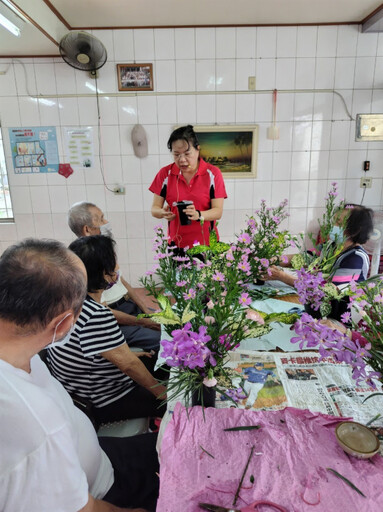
column 118, row 190
column 251, row 83
column 365, row 182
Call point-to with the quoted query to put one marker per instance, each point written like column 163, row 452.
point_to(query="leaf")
column 373, row 419
column 370, row 396
column 207, row 453
column 248, row 427
column 166, row 317
column 346, row 481
column 187, row 315
column 163, row 301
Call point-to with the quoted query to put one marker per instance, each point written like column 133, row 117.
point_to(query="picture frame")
column 135, row 77
column 231, row 148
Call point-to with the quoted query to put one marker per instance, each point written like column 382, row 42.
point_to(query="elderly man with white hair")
column 87, row 219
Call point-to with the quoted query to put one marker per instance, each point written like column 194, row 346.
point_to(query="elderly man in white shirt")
column 51, row 458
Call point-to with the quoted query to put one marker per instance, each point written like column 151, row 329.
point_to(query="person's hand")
column 167, row 214
column 149, row 324
column 273, row 274
column 145, row 354
column 191, row 212
column 160, row 392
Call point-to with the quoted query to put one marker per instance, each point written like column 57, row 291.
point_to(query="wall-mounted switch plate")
column 251, row 83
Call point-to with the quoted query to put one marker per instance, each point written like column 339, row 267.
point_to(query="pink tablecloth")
column 292, row 450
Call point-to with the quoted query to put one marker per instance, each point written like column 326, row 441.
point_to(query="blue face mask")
column 337, row 234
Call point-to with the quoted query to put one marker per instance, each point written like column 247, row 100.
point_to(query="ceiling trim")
column 30, row 56
column 133, row 27
column 57, row 14
column 34, row 23
column 372, row 14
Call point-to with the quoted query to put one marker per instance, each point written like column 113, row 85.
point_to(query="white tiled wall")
column 316, row 144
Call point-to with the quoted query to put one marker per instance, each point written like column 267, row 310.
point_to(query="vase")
column 204, row 396
column 312, row 312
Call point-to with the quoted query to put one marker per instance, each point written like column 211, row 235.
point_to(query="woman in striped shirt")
column 353, row 263
column 97, row 363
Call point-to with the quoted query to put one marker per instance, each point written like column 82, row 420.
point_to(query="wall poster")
column 34, row 149
column 79, row 147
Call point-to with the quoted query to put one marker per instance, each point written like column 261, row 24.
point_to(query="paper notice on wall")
column 79, row 150
column 34, row 149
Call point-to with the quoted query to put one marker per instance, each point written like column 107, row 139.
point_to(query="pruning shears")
column 249, row 508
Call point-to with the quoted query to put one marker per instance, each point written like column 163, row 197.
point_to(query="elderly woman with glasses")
column 189, row 179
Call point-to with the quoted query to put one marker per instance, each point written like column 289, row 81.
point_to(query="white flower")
column 209, row 383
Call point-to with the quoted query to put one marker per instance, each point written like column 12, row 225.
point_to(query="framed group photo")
column 135, row 77
column 231, row 148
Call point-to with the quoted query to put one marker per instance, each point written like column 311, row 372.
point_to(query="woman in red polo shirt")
column 189, row 178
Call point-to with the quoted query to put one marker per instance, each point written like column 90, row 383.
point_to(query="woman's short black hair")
column 359, row 223
column 185, row 133
column 99, row 257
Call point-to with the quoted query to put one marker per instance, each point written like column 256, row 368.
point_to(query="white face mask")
column 59, row 343
column 106, row 230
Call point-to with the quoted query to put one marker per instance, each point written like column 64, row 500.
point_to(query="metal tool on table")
column 249, row 508
column 296, row 310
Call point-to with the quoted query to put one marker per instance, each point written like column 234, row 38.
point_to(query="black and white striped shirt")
column 78, row 364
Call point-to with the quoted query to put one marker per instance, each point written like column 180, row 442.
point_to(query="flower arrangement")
column 317, row 294
column 205, row 312
column 324, row 250
column 316, row 267
column 263, row 240
column 362, row 346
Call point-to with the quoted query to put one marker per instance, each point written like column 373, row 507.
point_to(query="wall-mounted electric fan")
column 83, row 51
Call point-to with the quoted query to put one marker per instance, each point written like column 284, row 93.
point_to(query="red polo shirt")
column 206, row 184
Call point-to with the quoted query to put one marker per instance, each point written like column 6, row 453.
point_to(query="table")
column 292, row 450
column 293, row 447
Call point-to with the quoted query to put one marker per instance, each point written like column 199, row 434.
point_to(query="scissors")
column 296, row 310
column 249, row 508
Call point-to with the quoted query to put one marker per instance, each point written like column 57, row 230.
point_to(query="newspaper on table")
column 277, row 380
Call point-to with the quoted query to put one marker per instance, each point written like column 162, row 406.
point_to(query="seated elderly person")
column 51, row 458
column 96, row 363
column 86, row 219
column 353, row 263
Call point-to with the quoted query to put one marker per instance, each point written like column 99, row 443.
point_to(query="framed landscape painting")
column 233, row 149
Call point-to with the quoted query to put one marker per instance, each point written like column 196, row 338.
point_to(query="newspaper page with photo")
column 276, row 380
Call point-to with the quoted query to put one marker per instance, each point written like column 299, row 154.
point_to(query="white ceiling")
column 159, row 13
